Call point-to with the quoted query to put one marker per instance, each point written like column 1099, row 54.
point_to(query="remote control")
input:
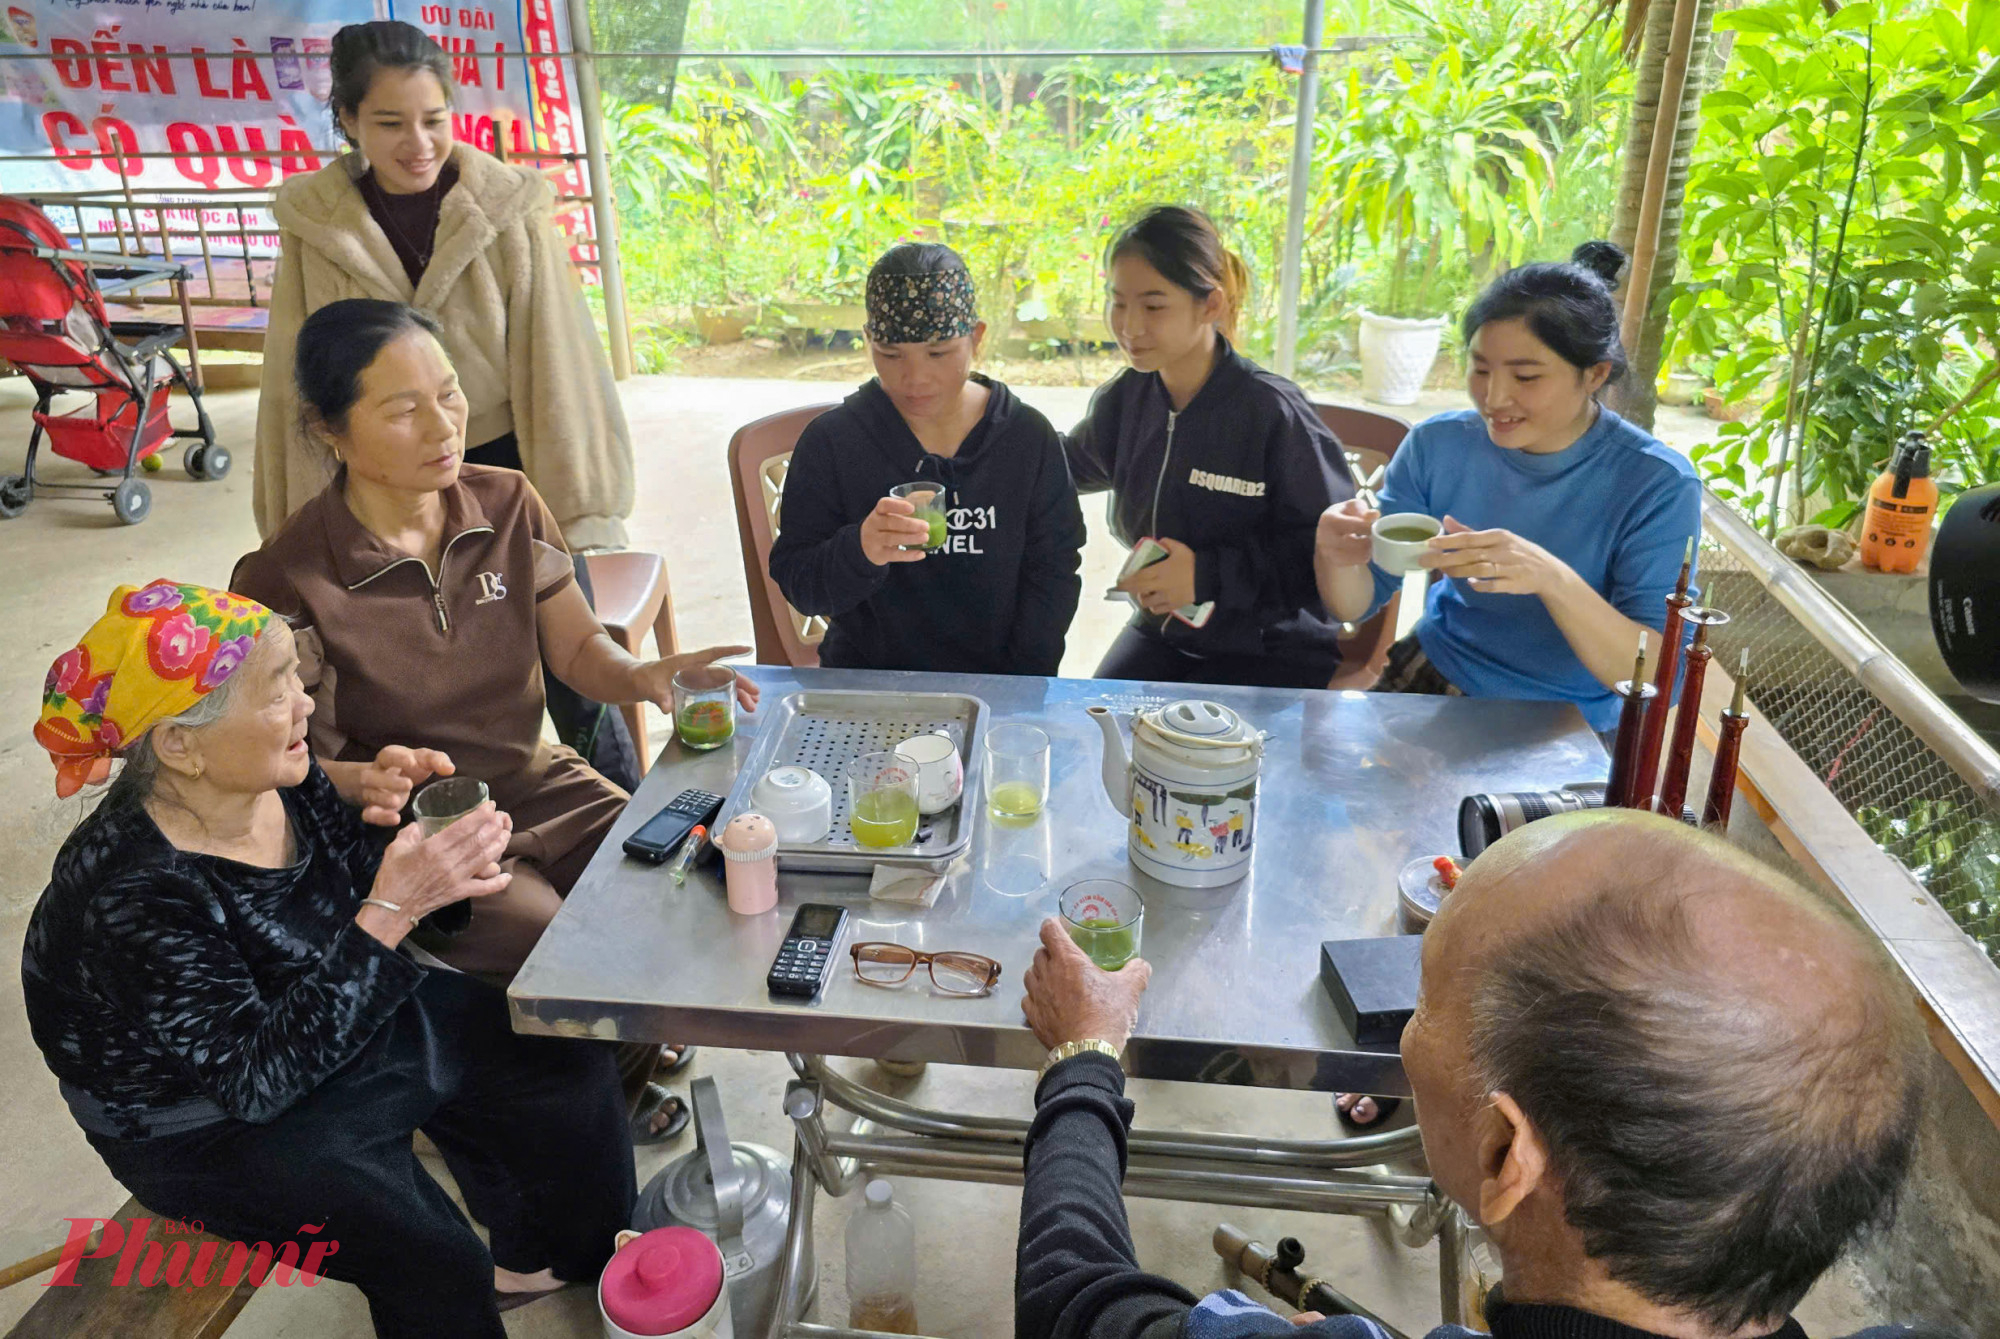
column 806, row 957
column 659, row 835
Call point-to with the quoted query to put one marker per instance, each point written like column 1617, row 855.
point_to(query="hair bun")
column 1603, row 259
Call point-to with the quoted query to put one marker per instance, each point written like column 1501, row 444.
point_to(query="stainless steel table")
column 1353, row 786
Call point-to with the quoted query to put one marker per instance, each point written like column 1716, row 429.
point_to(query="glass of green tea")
column 928, row 499
column 705, row 706
column 1017, row 774
column 882, row 799
column 1104, row 917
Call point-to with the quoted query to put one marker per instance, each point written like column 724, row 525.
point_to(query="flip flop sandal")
column 1385, row 1107
column 657, row 1098
column 506, row 1301
column 668, row 1068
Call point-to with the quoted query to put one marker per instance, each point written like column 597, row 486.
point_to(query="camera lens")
column 1485, row 818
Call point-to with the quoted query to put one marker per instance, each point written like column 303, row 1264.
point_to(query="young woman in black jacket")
column 1225, row 465
column 997, row 595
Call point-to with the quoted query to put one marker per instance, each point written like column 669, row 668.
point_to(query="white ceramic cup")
column 1399, row 557
column 940, row 771
column 796, row 799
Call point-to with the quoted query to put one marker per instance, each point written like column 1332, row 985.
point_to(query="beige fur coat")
column 500, row 284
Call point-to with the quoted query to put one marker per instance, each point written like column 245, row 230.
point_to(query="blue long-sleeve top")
column 1618, row 506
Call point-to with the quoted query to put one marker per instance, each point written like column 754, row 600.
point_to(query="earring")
column 197, row 771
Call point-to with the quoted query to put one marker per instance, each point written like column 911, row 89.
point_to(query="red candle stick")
column 1729, row 744
column 1680, row 755
column 1648, row 764
column 1622, row 785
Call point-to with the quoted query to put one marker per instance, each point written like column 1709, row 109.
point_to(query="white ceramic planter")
column 1396, row 356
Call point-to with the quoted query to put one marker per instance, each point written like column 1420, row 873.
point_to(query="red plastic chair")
column 54, row 328
column 1370, row 440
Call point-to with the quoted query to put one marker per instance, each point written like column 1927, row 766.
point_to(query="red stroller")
column 53, row 327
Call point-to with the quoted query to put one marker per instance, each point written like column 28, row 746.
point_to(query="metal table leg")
column 1322, row 1176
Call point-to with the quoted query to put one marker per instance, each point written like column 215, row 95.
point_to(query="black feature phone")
column 659, row 835
column 806, row 956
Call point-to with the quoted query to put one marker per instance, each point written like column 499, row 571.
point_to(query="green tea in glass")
column 1104, row 917
column 705, row 706
column 1017, row 774
column 882, row 800
column 928, row 499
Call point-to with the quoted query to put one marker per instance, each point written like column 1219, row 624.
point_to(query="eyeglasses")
column 879, row 964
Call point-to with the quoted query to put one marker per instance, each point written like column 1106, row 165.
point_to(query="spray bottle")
column 1901, row 505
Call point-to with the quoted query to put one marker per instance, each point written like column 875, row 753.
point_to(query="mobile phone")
column 806, row 957
column 659, row 835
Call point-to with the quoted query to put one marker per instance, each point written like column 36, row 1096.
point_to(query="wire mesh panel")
column 1908, row 800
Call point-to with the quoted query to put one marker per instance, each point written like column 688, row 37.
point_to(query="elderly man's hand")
column 1071, row 998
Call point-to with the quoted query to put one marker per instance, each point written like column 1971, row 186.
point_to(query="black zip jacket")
column 996, row 599
column 1240, row 476
column 1077, row 1275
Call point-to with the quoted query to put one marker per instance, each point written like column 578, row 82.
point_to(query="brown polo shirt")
column 394, row 653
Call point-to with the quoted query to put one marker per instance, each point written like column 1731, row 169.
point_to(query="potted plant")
column 1399, row 335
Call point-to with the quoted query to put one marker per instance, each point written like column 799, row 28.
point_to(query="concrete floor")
column 59, row 562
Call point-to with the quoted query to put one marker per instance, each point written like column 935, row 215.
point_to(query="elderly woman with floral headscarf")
column 216, row 975
column 987, row 583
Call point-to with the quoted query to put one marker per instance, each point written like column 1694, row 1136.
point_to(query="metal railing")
column 1921, row 782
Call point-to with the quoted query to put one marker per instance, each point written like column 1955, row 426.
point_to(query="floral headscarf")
column 920, row 308
column 158, row 650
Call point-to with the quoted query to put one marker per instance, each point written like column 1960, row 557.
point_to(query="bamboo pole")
column 1666, row 122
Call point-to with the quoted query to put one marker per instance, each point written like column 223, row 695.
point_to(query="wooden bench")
column 95, row 1307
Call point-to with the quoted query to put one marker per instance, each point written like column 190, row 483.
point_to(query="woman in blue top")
column 1565, row 525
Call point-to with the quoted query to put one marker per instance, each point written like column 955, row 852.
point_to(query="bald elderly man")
column 1671, row 1085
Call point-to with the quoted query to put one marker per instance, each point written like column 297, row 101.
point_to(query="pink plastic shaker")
column 665, row 1283
column 750, row 852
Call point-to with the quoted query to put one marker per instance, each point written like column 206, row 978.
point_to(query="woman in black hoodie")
column 1224, row 465
column 998, row 595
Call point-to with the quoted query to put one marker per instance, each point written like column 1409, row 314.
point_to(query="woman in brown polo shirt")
column 425, row 594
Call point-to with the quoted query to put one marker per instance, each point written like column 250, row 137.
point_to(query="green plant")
column 1843, row 240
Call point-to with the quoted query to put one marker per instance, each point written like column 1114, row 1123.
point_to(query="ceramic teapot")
column 739, row 1195
column 1190, row 788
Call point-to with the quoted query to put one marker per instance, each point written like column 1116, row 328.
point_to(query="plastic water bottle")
column 881, row 1264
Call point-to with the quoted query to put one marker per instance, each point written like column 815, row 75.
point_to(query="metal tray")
column 827, row 730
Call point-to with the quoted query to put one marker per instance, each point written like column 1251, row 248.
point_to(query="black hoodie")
column 1240, row 476
column 996, row 599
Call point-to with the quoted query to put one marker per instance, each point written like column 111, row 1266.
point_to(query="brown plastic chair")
column 759, row 455
column 1370, row 439
column 631, row 594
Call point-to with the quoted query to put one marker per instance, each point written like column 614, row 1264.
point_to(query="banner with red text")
column 106, row 91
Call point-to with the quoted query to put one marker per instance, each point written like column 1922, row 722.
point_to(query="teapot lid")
column 1204, row 720
column 663, row 1282
column 684, row 1192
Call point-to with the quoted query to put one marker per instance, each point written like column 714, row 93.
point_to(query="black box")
column 1373, row 983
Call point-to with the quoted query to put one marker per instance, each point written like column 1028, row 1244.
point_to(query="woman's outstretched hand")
column 1346, row 534
column 420, row 874
column 656, row 678
column 386, row 783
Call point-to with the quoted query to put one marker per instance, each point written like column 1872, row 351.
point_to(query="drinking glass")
column 1017, row 774
column 882, row 799
column 705, row 706
column 928, row 499
column 442, row 803
column 1104, row 917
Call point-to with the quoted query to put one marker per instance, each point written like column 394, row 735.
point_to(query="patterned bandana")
column 157, row 651
column 920, row 308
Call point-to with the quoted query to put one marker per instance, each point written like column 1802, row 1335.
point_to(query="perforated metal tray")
column 827, row 730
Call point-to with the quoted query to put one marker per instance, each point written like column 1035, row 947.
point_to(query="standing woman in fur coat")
column 469, row 241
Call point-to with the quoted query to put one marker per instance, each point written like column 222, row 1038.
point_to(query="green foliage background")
column 1483, row 135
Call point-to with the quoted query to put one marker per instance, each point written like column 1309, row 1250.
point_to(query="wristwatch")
column 1075, row 1048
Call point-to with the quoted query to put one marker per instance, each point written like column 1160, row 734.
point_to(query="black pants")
column 1138, row 655
column 533, row 1130
column 591, row 728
